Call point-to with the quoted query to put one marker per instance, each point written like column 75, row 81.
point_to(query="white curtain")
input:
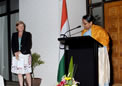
column 14, row 19
column 4, row 45
column 4, row 48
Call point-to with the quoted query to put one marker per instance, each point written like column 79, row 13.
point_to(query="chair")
column 1, row 81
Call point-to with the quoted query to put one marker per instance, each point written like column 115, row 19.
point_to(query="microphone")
column 64, row 35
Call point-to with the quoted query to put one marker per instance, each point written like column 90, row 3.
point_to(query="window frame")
column 90, row 6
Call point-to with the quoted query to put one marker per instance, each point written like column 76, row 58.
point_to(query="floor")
column 8, row 83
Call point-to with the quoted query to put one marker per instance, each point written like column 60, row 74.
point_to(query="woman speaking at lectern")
column 99, row 34
column 95, row 31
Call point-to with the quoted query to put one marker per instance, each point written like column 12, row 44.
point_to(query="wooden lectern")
column 84, row 50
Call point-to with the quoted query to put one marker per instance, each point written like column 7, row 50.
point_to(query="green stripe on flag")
column 61, row 69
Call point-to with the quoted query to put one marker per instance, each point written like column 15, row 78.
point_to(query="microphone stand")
column 76, row 32
column 64, row 35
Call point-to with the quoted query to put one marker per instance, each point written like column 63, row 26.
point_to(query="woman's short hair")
column 20, row 22
column 88, row 18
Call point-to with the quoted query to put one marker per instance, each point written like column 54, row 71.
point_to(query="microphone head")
column 78, row 26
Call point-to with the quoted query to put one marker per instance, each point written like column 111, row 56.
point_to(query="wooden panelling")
column 113, row 24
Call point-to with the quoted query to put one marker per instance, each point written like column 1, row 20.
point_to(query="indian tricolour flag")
column 63, row 29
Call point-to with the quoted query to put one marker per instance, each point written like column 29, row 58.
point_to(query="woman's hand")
column 17, row 55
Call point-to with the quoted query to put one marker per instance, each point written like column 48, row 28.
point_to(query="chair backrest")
column 1, row 81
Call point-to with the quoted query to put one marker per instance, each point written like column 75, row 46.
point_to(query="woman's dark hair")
column 88, row 18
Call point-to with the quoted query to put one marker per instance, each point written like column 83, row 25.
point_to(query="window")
column 96, row 1
column 14, row 5
column 96, row 8
column 2, row 7
column 9, row 14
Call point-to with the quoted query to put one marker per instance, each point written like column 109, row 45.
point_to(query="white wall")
column 76, row 9
column 42, row 18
